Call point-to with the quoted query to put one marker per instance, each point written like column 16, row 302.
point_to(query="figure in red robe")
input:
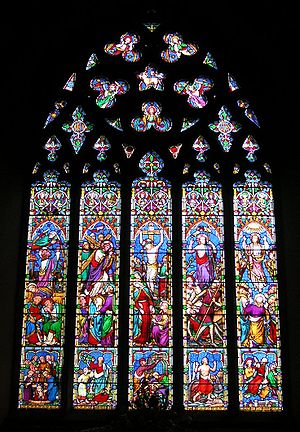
column 254, row 385
column 143, row 306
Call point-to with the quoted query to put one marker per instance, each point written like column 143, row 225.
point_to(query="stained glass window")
column 96, row 350
column 257, row 295
column 196, row 132
column 150, row 338
column 45, row 294
column 204, row 318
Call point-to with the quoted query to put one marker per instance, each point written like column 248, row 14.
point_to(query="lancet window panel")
column 97, row 304
column 204, row 299
column 258, row 323
column 43, row 330
column 150, row 327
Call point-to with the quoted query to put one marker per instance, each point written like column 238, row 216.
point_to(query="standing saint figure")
column 46, row 259
column 100, row 379
column 255, row 255
column 143, row 308
column 83, row 380
column 160, row 330
column 205, row 259
column 204, row 386
column 101, row 261
column 151, row 253
column 258, row 316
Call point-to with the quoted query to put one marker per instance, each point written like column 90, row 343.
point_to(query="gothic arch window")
column 154, row 257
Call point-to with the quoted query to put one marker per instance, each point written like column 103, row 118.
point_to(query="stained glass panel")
column 126, row 47
column 150, row 338
column 176, row 48
column 45, row 294
column 224, row 127
column 194, row 91
column 210, row 61
column 151, row 78
column 70, row 83
column 78, row 128
column 96, row 341
column 108, row 91
column 92, row 61
column 151, row 118
column 249, row 113
column 204, row 316
column 257, row 295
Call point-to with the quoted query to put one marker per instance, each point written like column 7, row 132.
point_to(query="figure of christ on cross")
column 152, row 254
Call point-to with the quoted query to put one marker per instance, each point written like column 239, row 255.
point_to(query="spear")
column 205, row 315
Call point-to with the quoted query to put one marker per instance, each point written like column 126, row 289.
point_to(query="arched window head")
column 154, row 101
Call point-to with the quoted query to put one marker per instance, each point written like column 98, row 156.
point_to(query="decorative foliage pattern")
column 115, row 123
column 257, row 295
column 201, row 146
column 92, row 61
column 251, row 146
column 102, row 145
column 225, row 127
column 204, row 317
column 188, row 123
column 150, row 338
column 210, row 61
column 95, row 373
column 78, row 128
column 52, row 146
column 45, row 294
column 151, row 26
